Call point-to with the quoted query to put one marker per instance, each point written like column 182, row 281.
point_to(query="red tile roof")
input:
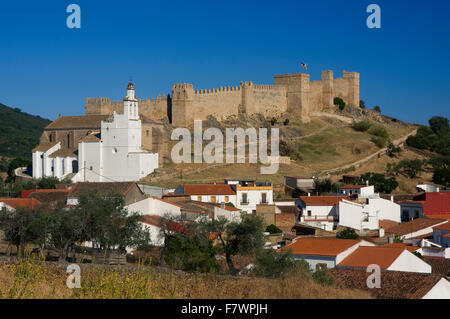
column 413, row 226
column 445, row 226
column 394, row 284
column 365, row 256
column 158, row 221
column 386, row 223
column 26, row 193
column 208, row 189
column 29, row 203
column 320, row 246
column 402, row 245
column 440, row 216
column 323, row 200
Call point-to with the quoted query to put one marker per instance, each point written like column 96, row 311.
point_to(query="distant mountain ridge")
column 19, row 132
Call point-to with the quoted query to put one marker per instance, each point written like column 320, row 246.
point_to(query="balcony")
column 318, row 219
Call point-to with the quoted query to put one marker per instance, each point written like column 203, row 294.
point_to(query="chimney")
column 367, row 183
column 309, row 194
column 437, row 189
column 392, row 198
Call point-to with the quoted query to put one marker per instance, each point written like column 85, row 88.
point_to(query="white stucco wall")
column 440, row 291
column 254, row 197
column 409, row 262
column 153, row 206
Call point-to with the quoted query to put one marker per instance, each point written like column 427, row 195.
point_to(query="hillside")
column 325, row 144
column 19, row 132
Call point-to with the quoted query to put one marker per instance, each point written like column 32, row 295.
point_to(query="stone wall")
column 293, row 93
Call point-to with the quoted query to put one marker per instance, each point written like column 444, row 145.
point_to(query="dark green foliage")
column 362, row 104
column 273, row 229
column 410, row 167
column 378, row 141
column 272, row 264
column 19, row 132
column 347, row 233
column 418, row 254
column 380, row 182
column 286, row 122
column 273, row 121
column 321, row 276
column 229, row 204
column 191, row 253
column 361, row 126
column 325, row 186
column 398, row 239
column 392, row 150
column 441, row 176
column 377, row 109
column 435, row 138
column 439, row 125
column 379, row 131
column 339, row 103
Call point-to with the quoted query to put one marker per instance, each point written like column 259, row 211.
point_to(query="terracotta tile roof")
column 447, row 235
column 29, row 203
column 394, row 284
column 413, row 226
column 44, row 147
column 323, row 200
column 445, row 226
column 365, row 256
column 119, row 187
column 64, row 152
column 91, row 138
column 208, row 189
column 438, row 265
column 439, row 216
column 386, row 223
column 320, row 246
column 77, row 122
column 352, row 186
column 50, row 197
column 158, row 221
column 402, row 245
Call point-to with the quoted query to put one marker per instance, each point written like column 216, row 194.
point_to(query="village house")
column 208, row 193
column 415, row 229
column 250, row 193
column 11, row 204
column 283, row 217
column 323, row 252
column 395, row 284
column 97, row 148
column 299, row 185
column 320, row 211
column 357, row 190
column 386, row 257
column 441, row 235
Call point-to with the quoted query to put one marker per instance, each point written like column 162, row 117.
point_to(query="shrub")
column 377, row 109
column 339, row 102
column 379, row 131
column 270, row 263
column 380, row 183
column 442, row 176
column 392, row 149
column 361, row 126
column 362, row 104
column 286, row 122
column 273, row 121
column 378, row 141
column 347, row 233
column 321, row 277
column 273, row 229
column 410, row 167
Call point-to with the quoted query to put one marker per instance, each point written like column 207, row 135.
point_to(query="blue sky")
column 47, row 69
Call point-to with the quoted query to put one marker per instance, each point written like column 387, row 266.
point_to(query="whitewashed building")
column 114, row 154
column 320, row 211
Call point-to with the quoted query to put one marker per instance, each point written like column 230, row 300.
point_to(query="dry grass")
column 36, row 279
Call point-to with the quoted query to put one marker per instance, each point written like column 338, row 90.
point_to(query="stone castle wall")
column 293, row 93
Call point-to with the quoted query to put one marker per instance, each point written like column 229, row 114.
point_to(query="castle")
column 290, row 93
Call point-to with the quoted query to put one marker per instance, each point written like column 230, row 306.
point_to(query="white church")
column 113, row 154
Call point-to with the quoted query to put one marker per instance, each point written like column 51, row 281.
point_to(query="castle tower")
column 327, row 89
column 182, row 95
column 130, row 103
column 353, row 87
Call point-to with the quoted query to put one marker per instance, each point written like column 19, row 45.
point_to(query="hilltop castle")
column 290, row 93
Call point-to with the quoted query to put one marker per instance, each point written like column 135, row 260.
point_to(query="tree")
column 273, row 229
column 441, row 176
column 361, row 126
column 410, row 167
column 347, row 233
column 380, row 183
column 286, row 122
column 377, row 109
column 339, row 102
column 362, row 104
column 324, row 186
column 273, row 121
column 439, row 124
column 273, row 264
column 243, row 238
column 392, row 150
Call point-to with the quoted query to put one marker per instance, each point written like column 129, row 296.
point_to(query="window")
column 227, row 199
column 309, row 213
column 90, row 168
column 264, row 198
column 147, row 133
column 244, row 199
column 213, row 199
column 199, row 198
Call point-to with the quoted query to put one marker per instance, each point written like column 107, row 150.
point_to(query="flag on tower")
column 304, row 66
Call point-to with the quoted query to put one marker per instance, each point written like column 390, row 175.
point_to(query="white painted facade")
column 215, row 198
column 230, row 215
column 323, row 216
column 155, row 206
column 249, row 197
column 117, row 156
column 409, row 262
column 360, row 191
column 440, row 291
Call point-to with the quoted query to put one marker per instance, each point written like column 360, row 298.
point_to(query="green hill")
column 19, row 132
